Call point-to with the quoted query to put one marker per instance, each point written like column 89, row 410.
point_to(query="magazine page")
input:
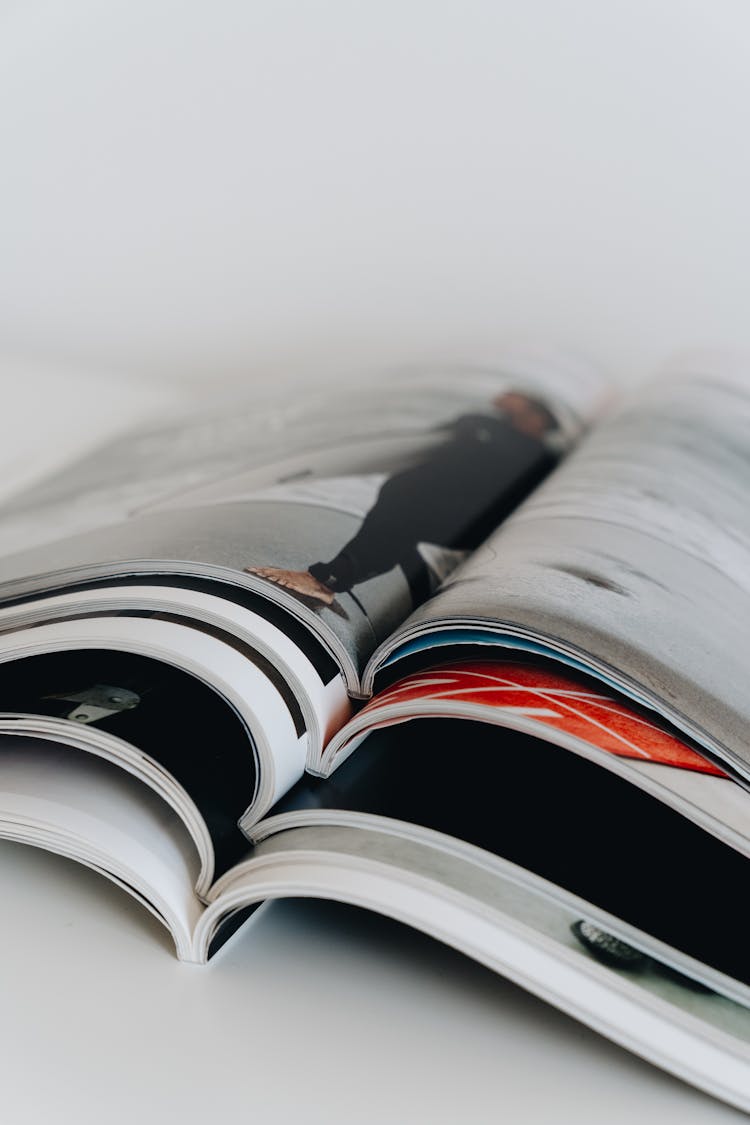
column 94, row 812
column 268, row 744
column 611, row 976
column 558, row 815
column 664, row 918
column 347, row 507
column 632, row 560
column 577, row 713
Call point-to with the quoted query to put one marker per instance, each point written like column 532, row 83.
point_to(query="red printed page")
column 559, row 699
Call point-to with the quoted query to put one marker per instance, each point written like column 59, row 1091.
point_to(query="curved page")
column 559, row 815
column 91, row 811
column 347, row 506
column 319, row 695
column 634, row 561
column 274, row 744
column 573, row 712
column 36, row 729
column 516, row 925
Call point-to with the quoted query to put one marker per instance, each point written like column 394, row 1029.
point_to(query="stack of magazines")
column 471, row 650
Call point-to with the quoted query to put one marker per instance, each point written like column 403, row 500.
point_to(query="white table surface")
column 315, row 1013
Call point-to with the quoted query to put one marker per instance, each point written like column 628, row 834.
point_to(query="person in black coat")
column 453, row 497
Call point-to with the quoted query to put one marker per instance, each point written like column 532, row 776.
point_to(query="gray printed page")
column 636, row 552
column 348, row 505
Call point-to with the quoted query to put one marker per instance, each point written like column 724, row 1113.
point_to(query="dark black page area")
column 179, row 721
column 560, row 816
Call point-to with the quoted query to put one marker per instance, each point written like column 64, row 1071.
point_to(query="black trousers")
column 453, row 498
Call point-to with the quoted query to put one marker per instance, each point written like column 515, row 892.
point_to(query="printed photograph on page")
column 637, row 553
column 356, row 505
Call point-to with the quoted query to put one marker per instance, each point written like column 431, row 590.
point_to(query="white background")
column 214, row 189
column 209, row 192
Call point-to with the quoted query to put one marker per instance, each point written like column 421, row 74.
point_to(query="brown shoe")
column 299, row 582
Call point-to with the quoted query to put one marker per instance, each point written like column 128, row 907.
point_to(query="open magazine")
column 470, row 650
